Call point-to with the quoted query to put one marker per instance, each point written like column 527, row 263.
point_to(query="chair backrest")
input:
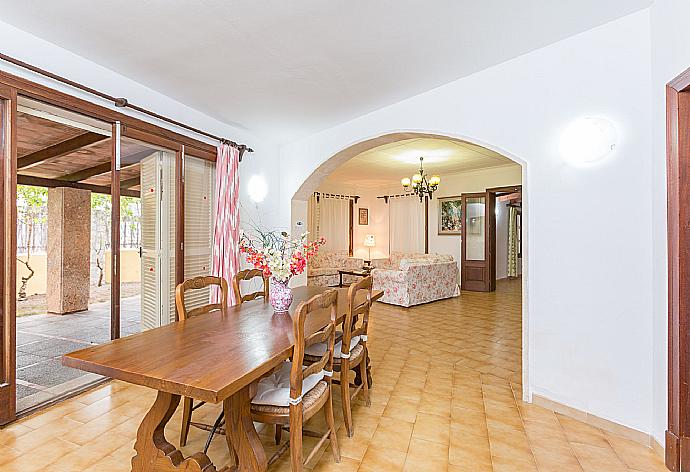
column 199, row 283
column 249, row 274
column 327, row 300
column 357, row 316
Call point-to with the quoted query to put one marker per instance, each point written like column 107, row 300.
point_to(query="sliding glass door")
column 74, row 175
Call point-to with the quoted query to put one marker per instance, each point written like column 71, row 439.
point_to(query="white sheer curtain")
column 313, row 219
column 406, row 224
column 334, row 223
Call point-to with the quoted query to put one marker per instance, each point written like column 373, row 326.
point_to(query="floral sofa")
column 413, row 279
column 323, row 268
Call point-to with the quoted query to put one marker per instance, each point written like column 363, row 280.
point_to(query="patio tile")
column 52, row 347
column 24, row 359
column 30, row 348
column 96, row 336
column 48, row 374
column 24, row 391
column 126, row 331
column 40, row 328
column 42, row 338
column 79, row 324
column 62, row 331
column 26, row 338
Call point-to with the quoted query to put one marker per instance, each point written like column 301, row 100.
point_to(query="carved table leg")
column 241, row 434
column 154, row 452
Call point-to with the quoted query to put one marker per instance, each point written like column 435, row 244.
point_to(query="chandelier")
column 419, row 184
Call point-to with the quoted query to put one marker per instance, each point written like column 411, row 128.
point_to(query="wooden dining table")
column 214, row 358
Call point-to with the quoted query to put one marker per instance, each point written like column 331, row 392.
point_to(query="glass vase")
column 280, row 296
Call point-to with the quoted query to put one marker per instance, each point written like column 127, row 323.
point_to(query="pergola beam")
column 60, row 149
column 86, row 173
column 129, row 183
column 54, row 183
column 104, row 168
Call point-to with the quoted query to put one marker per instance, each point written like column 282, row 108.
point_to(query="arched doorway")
column 299, row 207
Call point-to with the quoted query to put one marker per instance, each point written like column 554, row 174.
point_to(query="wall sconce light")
column 257, row 188
column 588, row 140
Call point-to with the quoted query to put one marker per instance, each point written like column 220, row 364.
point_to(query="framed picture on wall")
column 363, row 216
column 449, row 215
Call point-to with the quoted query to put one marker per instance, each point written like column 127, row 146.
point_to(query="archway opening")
column 480, row 201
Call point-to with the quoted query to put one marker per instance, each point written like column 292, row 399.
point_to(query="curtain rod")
column 386, row 197
column 337, row 195
column 121, row 102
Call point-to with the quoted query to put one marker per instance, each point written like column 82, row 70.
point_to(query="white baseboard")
column 601, row 423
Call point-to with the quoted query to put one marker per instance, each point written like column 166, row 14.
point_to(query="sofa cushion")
column 335, row 261
column 426, row 259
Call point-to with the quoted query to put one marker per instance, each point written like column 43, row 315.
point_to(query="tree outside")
column 32, row 208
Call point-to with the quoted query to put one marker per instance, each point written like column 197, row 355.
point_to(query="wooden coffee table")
column 358, row 272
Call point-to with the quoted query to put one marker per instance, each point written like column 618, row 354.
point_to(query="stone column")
column 69, row 250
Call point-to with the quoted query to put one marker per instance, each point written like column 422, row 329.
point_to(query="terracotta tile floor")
column 446, row 398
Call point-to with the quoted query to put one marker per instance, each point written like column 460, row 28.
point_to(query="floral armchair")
column 323, row 268
column 418, row 280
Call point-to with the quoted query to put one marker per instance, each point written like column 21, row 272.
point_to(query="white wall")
column 378, row 226
column 588, row 267
column 670, row 56
column 35, row 51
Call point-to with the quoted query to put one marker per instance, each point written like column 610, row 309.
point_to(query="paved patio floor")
column 43, row 339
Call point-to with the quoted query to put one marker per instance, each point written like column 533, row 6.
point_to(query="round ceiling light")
column 588, row 140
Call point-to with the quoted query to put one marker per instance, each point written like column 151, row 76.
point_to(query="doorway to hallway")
column 489, row 218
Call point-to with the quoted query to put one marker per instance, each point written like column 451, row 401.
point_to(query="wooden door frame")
column 678, row 221
column 490, row 195
column 8, row 254
column 486, row 263
column 496, row 191
column 115, row 139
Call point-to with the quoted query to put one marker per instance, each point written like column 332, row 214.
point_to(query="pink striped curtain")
column 226, row 234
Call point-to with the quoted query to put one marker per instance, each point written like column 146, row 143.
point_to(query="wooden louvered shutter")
column 157, row 240
column 199, row 193
column 150, row 210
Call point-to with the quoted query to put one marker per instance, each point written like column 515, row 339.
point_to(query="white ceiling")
column 382, row 167
column 290, row 68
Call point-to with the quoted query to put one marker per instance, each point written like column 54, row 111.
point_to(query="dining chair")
column 248, row 275
column 183, row 313
column 243, row 275
column 351, row 352
column 295, row 393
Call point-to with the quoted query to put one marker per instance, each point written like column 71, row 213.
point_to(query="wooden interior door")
column 478, row 264
column 8, row 253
